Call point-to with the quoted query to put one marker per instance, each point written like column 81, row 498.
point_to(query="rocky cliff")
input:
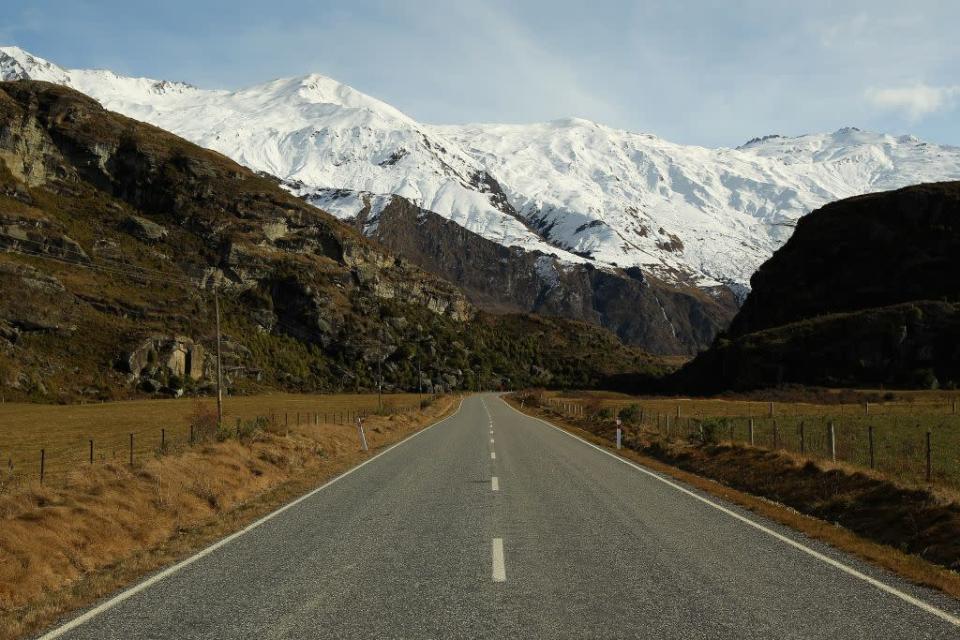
column 114, row 235
column 864, row 293
column 640, row 309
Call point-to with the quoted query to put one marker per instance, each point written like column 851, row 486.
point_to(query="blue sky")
column 710, row 73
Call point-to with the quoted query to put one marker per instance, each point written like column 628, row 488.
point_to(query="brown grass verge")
column 63, row 547
column 732, row 465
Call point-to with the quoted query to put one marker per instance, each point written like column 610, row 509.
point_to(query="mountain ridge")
column 688, row 214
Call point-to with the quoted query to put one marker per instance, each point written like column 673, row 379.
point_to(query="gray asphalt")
column 402, row 548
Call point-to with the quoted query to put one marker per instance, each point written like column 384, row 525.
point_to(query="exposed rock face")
column 640, row 310
column 144, row 229
column 864, row 293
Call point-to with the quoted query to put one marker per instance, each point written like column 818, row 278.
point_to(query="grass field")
column 64, row 432
column 897, row 428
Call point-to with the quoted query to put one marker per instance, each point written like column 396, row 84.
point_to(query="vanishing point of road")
column 492, row 524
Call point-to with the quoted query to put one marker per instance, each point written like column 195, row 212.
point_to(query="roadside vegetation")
column 96, row 527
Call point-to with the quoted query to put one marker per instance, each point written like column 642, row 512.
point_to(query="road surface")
column 492, row 524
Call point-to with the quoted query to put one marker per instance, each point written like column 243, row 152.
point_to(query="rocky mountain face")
column 864, row 293
column 640, row 309
column 695, row 219
column 114, row 235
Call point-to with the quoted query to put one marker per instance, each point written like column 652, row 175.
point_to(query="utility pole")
column 380, row 380
column 216, row 305
column 419, row 376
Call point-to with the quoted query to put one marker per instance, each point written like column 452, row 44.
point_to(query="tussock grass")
column 899, row 421
column 63, row 545
column 64, row 431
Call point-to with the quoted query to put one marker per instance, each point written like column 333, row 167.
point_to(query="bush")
column 711, row 430
column 605, row 413
column 631, row 414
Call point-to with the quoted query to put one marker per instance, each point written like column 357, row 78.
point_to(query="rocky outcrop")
column 640, row 309
column 865, row 293
column 144, row 229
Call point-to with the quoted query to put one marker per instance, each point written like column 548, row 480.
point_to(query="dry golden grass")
column 899, row 427
column 66, row 544
column 65, row 431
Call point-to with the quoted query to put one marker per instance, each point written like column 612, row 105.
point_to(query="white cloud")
column 915, row 101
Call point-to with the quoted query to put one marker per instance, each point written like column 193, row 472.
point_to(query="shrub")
column 630, row 414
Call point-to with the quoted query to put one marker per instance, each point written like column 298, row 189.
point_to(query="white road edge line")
column 169, row 571
column 495, row 483
column 499, row 566
column 906, row 597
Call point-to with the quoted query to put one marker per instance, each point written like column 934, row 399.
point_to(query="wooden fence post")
column 191, row 434
column 751, row 432
column 163, row 439
column 131, row 449
column 929, row 469
column 91, row 452
column 803, row 444
column 870, row 443
column 43, row 460
column 833, row 442
column 776, row 438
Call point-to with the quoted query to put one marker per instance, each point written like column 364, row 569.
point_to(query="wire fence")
column 916, row 442
column 53, row 460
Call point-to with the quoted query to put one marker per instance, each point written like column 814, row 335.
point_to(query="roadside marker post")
column 751, row 432
column 363, row 437
column 833, row 442
column 619, row 434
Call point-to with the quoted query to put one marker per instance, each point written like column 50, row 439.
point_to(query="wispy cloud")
column 916, row 101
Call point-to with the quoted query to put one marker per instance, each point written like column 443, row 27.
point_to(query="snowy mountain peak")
column 17, row 64
column 577, row 189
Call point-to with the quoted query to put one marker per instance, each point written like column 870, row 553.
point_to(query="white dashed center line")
column 499, row 567
column 493, row 455
column 495, row 483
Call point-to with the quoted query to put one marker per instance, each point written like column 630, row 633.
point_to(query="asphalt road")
column 568, row 541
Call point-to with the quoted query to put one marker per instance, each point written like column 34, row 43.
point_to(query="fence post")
column 776, row 438
column 929, row 470
column 91, row 452
column 803, row 444
column 751, row 432
column 833, row 442
column 191, row 434
column 771, row 409
column 43, row 460
column 870, row 441
column 163, row 439
column 131, row 449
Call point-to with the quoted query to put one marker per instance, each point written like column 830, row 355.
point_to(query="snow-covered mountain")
column 579, row 190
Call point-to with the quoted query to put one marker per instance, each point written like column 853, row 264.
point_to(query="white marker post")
column 363, row 437
column 619, row 433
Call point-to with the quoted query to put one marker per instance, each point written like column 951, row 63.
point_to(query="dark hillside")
column 866, row 293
